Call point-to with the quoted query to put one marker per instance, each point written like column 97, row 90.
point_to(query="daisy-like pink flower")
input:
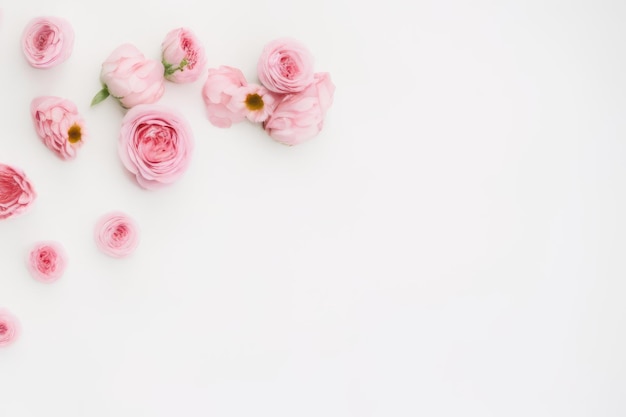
column 254, row 101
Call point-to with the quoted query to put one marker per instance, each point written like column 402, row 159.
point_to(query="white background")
column 451, row 244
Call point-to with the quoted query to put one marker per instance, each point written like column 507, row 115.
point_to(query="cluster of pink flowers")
column 155, row 143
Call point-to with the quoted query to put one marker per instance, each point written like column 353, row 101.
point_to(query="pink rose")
column 155, row 144
column 116, row 234
column 47, row 41
column 300, row 116
column 285, row 66
column 254, row 101
column 16, row 192
column 9, row 328
column 47, row 261
column 131, row 78
column 183, row 56
column 58, row 124
column 218, row 91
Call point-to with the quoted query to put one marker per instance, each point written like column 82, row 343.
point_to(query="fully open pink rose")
column 285, row 66
column 217, row 93
column 47, row 261
column 58, row 124
column 155, row 144
column 254, row 101
column 16, row 192
column 47, row 41
column 9, row 327
column 131, row 78
column 300, row 116
column 183, row 56
column 116, row 234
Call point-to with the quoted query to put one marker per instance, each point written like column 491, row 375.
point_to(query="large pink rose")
column 116, row 234
column 285, row 66
column 217, row 93
column 16, row 192
column 131, row 78
column 47, row 41
column 155, row 144
column 9, row 327
column 58, row 124
column 183, row 56
column 300, row 116
column 47, row 261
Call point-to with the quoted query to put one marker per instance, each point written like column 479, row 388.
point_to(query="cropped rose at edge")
column 116, row 234
column 9, row 327
column 47, row 261
column 218, row 90
column 183, row 56
column 155, row 144
column 47, row 41
column 16, row 192
column 131, row 78
column 58, row 124
column 299, row 117
column 285, row 66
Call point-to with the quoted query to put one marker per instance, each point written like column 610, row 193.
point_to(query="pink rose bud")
column 47, row 41
column 116, row 234
column 131, row 78
column 183, row 56
column 300, row 116
column 254, row 101
column 16, row 192
column 285, row 66
column 47, row 261
column 9, row 327
column 217, row 93
column 58, row 124
column 155, row 144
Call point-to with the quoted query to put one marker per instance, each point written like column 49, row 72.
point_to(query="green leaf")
column 102, row 94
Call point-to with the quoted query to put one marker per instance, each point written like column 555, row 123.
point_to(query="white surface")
column 452, row 244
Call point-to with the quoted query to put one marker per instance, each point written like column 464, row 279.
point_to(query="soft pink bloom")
column 183, row 56
column 16, row 192
column 155, row 144
column 58, row 124
column 47, row 261
column 254, row 101
column 47, row 41
column 116, row 234
column 300, row 116
column 9, row 327
column 132, row 78
column 219, row 88
column 285, row 66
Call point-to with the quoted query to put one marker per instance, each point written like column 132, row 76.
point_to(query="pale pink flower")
column 58, row 124
column 131, row 78
column 47, row 261
column 155, row 144
column 116, row 234
column 47, row 41
column 285, row 66
column 217, row 93
column 183, row 56
column 300, row 116
column 16, row 192
column 9, row 327
column 254, row 101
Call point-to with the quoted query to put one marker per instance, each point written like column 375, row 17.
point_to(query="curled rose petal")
column 116, row 234
column 9, row 327
column 47, row 41
column 47, row 261
column 16, row 192
column 285, row 66
column 155, row 144
column 183, row 56
column 58, row 124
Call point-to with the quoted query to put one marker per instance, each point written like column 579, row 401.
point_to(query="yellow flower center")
column 74, row 134
column 254, row 102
